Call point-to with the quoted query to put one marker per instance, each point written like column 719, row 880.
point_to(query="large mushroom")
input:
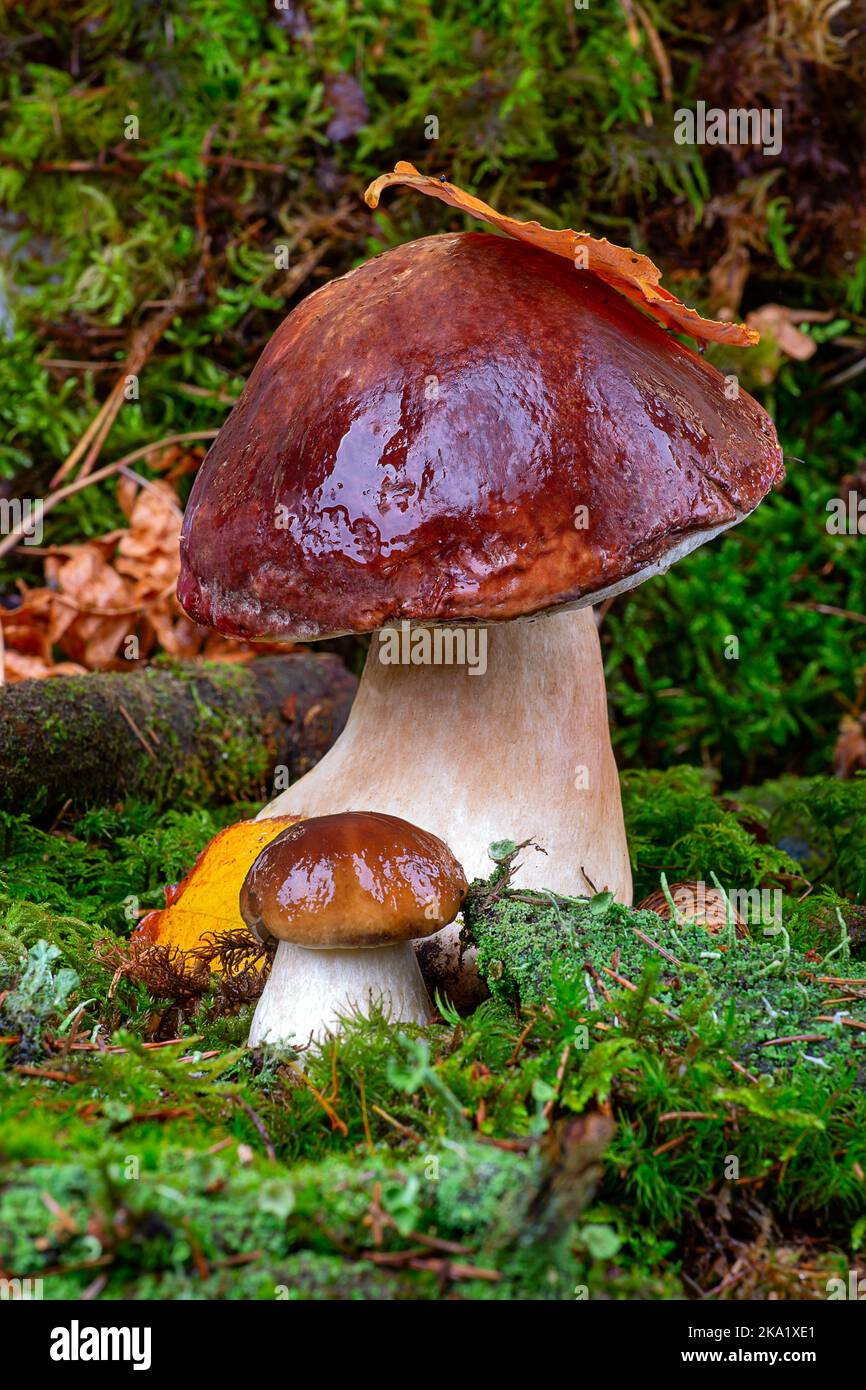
column 468, row 440
column 345, row 896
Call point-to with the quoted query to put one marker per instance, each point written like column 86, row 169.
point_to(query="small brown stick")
column 404, row 1129
column 231, row 1260
column 750, row 1076
column 60, row 814
column 176, row 1112
column 560, row 1073
column 72, row 364
column 848, row 1022
column 829, row 609
column 510, row 1146
column 94, row 1288
column 144, row 341
column 198, row 1258
column 416, row 1259
column 61, row 1215
column 219, row 1146
column 662, row 950
column 626, row 984
column 601, row 984
column 377, row 1218
column 136, row 730
column 620, row 979
column 364, row 1116
column 519, row 1044
column 796, row 1037
column 336, row 1122
column 10, row 541
column 260, row 1126
column 673, row 1143
column 686, row 1115
column 447, row 1247
column 45, row 1074
column 659, row 53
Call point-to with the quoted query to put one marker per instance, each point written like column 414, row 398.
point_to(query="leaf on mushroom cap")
column 626, row 271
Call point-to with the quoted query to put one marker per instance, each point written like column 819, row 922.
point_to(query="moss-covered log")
column 173, row 733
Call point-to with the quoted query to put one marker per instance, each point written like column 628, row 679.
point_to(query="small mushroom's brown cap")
column 357, row 879
column 463, row 429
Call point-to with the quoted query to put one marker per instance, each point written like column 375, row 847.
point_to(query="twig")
column 336, row 1122
column 686, row 1115
column 404, row 1129
column 45, row 1074
column 137, row 731
column 627, row 984
column 668, row 955
column 560, row 1073
column 673, row 1143
column 260, row 1126
column 830, row 610
column 51, row 501
column 848, row 1022
column 144, row 341
column 796, row 1037
column 519, row 1044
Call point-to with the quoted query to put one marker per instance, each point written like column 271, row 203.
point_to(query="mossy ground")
column 414, row 1162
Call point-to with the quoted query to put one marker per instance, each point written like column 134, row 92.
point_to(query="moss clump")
column 675, row 822
column 533, row 947
column 106, row 865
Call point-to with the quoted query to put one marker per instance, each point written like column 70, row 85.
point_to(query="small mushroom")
column 346, row 895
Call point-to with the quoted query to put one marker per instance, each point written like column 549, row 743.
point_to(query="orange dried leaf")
column 626, row 271
column 207, row 899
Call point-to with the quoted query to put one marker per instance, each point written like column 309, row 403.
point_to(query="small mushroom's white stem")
column 308, row 992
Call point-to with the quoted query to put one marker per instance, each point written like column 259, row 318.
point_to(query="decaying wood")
column 171, row 734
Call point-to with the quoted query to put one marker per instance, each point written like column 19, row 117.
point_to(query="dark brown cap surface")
column 357, row 879
column 418, row 438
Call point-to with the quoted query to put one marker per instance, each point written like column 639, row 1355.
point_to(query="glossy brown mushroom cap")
column 357, row 879
column 418, row 437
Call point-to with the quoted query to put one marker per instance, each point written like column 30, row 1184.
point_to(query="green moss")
column 110, row 862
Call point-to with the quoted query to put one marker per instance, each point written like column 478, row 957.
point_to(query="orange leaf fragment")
column 626, row 271
column 207, row 899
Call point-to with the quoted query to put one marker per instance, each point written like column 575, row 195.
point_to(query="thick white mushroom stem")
column 309, row 991
column 521, row 751
column 516, row 746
